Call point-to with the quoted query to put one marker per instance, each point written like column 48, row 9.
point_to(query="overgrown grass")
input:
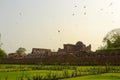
column 52, row 72
column 105, row 76
column 14, row 68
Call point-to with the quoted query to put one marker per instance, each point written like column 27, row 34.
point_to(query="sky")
column 51, row 23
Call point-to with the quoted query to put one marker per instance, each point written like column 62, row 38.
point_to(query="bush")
column 2, row 53
column 108, row 49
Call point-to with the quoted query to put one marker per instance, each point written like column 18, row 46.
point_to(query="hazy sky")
column 51, row 23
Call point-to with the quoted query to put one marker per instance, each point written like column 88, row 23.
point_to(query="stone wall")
column 84, row 58
column 72, row 54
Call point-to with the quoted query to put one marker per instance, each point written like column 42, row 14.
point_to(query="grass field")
column 24, row 74
column 64, row 72
column 15, row 75
column 105, row 76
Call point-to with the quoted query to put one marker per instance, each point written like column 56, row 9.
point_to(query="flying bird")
column 58, row 30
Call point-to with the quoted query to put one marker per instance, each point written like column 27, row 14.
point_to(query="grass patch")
column 55, row 72
column 105, row 76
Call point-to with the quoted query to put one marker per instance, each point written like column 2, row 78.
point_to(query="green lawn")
column 25, row 74
column 15, row 75
column 15, row 72
column 106, row 76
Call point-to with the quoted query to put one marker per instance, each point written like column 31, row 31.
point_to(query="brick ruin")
column 38, row 53
column 41, row 53
column 78, row 47
column 77, row 53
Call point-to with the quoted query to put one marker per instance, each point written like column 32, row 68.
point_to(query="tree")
column 112, row 39
column 2, row 53
column 21, row 50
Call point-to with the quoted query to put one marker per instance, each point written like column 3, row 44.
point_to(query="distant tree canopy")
column 112, row 39
column 21, row 50
column 2, row 53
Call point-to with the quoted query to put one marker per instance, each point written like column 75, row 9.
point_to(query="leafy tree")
column 2, row 53
column 112, row 39
column 21, row 50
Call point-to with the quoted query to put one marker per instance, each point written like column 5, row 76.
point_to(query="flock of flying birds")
column 85, row 13
column 76, row 7
column 84, row 7
column 73, row 14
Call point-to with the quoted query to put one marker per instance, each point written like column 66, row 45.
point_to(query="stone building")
column 75, row 49
column 16, row 56
column 78, row 47
column 69, row 48
column 39, row 53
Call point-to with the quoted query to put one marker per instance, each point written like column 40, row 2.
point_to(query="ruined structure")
column 78, row 47
column 16, row 56
column 77, row 53
column 39, row 53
